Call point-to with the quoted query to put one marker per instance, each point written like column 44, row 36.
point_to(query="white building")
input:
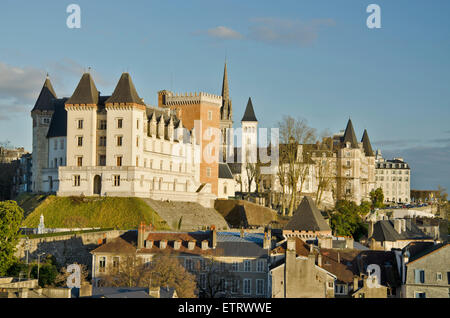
column 394, row 177
column 115, row 145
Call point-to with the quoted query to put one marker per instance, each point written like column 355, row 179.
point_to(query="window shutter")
column 417, row 275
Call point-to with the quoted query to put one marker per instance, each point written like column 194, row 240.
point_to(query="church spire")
column 226, row 109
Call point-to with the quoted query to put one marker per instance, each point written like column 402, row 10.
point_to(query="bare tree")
column 294, row 132
column 219, row 280
column 324, row 177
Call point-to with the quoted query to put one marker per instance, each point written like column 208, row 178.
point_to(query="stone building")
column 425, row 269
column 117, row 145
column 233, row 264
column 394, row 178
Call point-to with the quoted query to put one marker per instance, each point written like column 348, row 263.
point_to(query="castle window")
column 80, row 124
column 119, row 141
column 102, row 160
column 137, row 141
column 76, row 181
column 119, row 123
column 119, row 161
column 102, row 125
column 137, row 161
column 210, row 115
column 80, row 141
column 117, row 180
column 137, row 124
column 79, row 161
column 46, row 120
column 102, row 142
column 224, row 189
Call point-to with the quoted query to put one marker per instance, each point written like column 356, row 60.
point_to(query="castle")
column 90, row 144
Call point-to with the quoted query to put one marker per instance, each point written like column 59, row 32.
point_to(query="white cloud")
column 223, row 32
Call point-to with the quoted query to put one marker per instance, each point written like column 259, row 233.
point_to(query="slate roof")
column 384, row 231
column 249, row 114
column 349, row 135
column 86, row 92
column 58, row 123
column 426, row 250
column 232, row 244
column 366, row 144
column 116, row 245
column 224, row 171
column 46, row 97
column 307, row 218
column 125, row 92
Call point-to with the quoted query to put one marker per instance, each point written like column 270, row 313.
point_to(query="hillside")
column 244, row 213
column 193, row 216
column 106, row 212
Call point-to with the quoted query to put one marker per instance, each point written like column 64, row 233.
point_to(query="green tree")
column 364, row 208
column 11, row 216
column 47, row 274
column 377, row 198
column 346, row 220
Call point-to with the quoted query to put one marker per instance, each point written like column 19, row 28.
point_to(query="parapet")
column 190, row 98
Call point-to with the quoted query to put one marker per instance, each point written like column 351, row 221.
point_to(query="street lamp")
column 39, row 255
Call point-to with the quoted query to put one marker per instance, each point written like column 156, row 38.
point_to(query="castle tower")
column 81, row 110
column 249, row 125
column 226, row 114
column 41, row 115
column 125, row 106
column 370, row 161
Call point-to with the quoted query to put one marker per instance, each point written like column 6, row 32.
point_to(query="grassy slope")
column 29, row 202
column 109, row 212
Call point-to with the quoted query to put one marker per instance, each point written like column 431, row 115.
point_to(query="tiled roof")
column 58, row 123
column 307, row 218
column 349, row 135
column 86, row 92
column 249, row 114
column 224, row 171
column 367, row 145
column 117, row 245
column 125, row 92
column 46, row 97
column 384, row 231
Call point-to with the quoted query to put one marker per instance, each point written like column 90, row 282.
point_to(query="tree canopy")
column 11, row 216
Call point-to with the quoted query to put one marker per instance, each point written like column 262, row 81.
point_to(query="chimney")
column 177, row 244
column 204, row 244
column 319, row 260
column 162, row 244
column 214, row 237
column 267, row 240
column 398, row 225
column 191, row 245
column 291, row 244
column 148, row 243
column 141, row 229
column 355, row 283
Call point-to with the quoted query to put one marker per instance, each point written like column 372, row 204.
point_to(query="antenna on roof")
column 47, row 75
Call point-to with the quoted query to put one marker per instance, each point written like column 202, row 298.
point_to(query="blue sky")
column 314, row 59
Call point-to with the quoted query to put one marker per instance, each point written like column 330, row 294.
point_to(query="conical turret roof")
column 86, row 92
column 349, row 135
column 46, row 97
column 366, row 144
column 125, row 92
column 249, row 114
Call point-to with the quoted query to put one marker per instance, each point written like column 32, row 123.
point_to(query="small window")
column 80, row 124
column 419, row 276
column 438, row 276
column 137, row 141
column 208, row 172
column 76, row 181
column 420, row 295
column 102, row 264
column 80, row 141
column 102, row 160
column 79, row 161
column 117, row 180
column 247, row 265
column 119, row 123
column 137, row 124
column 247, row 286
column 259, row 286
column 260, row 265
column 210, row 115
column 119, row 141
column 102, row 125
column 119, row 161
column 116, row 262
column 235, row 267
